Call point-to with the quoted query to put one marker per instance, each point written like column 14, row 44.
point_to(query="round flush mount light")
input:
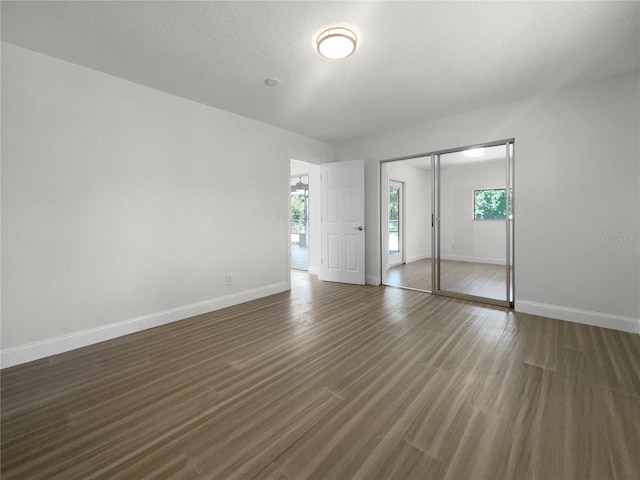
column 336, row 43
column 474, row 152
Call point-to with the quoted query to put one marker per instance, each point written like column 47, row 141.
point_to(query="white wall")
column 577, row 224
column 306, row 168
column 124, row 207
column 417, row 208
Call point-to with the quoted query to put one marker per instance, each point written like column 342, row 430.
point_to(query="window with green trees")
column 490, row 204
column 298, row 213
column 394, row 219
column 299, row 204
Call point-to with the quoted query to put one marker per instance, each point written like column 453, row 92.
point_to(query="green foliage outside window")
column 394, row 209
column 490, row 204
column 394, row 203
column 298, row 213
column 394, row 219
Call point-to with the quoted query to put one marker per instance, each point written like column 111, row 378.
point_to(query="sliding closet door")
column 473, row 223
column 406, row 223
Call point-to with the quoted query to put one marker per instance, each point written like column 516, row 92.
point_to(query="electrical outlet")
column 228, row 279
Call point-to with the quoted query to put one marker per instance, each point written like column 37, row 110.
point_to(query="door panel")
column 405, row 220
column 343, row 222
column 473, row 225
column 333, row 205
column 352, row 210
column 352, row 253
column 333, row 252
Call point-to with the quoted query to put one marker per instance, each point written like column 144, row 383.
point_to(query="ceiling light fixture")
column 336, row 43
column 474, row 152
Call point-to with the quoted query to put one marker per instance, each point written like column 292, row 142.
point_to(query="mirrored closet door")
column 457, row 222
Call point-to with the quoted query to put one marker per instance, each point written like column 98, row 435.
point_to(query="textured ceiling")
column 416, row 61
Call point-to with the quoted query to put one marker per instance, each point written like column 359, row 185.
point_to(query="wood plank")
column 476, row 454
column 529, row 448
column 361, row 432
column 406, row 462
column 541, row 342
column 620, row 417
column 439, row 424
column 581, row 449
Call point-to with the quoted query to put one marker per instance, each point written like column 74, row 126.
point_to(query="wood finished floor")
column 479, row 279
column 330, row 381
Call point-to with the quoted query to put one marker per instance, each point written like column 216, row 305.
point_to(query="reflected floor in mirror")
column 479, row 279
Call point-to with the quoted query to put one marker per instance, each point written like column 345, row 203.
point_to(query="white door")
column 343, row 222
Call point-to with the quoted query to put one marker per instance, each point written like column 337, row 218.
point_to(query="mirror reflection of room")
column 474, row 204
column 409, row 227
column 472, row 222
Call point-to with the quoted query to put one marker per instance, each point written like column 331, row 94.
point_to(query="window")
column 490, row 204
column 394, row 217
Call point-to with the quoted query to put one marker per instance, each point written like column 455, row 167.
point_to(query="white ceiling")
column 416, row 61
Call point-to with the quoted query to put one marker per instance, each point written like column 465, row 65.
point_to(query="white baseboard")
column 372, row 280
column 463, row 258
column 415, row 258
column 596, row 319
column 314, row 270
column 53, row 346
column 459, row 258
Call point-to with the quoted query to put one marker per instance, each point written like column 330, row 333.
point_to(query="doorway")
column 470, row 214
column 299, row 226
column 334, row 227
column 303, row 225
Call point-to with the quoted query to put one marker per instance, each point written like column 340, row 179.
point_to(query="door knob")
column 358, row 228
